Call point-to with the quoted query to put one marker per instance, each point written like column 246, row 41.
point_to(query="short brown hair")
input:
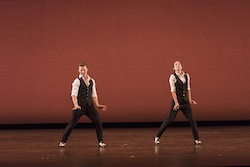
column 82, row 64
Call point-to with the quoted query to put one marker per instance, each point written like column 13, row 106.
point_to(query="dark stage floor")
column 222, row 146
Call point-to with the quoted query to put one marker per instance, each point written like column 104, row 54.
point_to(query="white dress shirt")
column 172, row 81
column 76, row 85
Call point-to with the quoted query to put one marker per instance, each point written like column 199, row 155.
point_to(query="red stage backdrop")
column 130, row 46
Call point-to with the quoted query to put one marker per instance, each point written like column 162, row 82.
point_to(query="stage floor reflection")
column 222, row 146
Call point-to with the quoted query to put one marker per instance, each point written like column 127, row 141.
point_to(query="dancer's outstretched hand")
column 76, row 107
column 176, row 107
column 192, row 102
column 102, row 107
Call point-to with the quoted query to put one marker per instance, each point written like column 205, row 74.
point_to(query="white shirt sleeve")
column 188, row 86
column 172, row 81
column 94, row 93
column 75, row 87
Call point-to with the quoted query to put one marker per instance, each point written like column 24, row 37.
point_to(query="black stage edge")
column 124, row 125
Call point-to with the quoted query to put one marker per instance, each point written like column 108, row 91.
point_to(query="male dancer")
column 83, row 96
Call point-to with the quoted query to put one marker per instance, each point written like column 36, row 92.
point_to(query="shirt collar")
column 80, row 76
column 180, row 74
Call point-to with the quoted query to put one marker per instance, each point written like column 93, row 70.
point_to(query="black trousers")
column 90, row 112
column 187, row 111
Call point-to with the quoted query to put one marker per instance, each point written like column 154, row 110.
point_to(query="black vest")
column 181, row 89
column 85, row 93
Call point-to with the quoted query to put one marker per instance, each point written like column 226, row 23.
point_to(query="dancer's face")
column 177, row 66
column 83, row 70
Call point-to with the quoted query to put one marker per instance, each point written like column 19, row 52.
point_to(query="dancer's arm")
column 172, row 81
column 189, row 92
column 95, row 100
column 190, row 98
column 176, row 106
column 75, row 102
column 74, row 92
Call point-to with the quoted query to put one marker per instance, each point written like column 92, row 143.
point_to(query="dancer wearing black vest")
column 83, row 96
column 181, row 94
